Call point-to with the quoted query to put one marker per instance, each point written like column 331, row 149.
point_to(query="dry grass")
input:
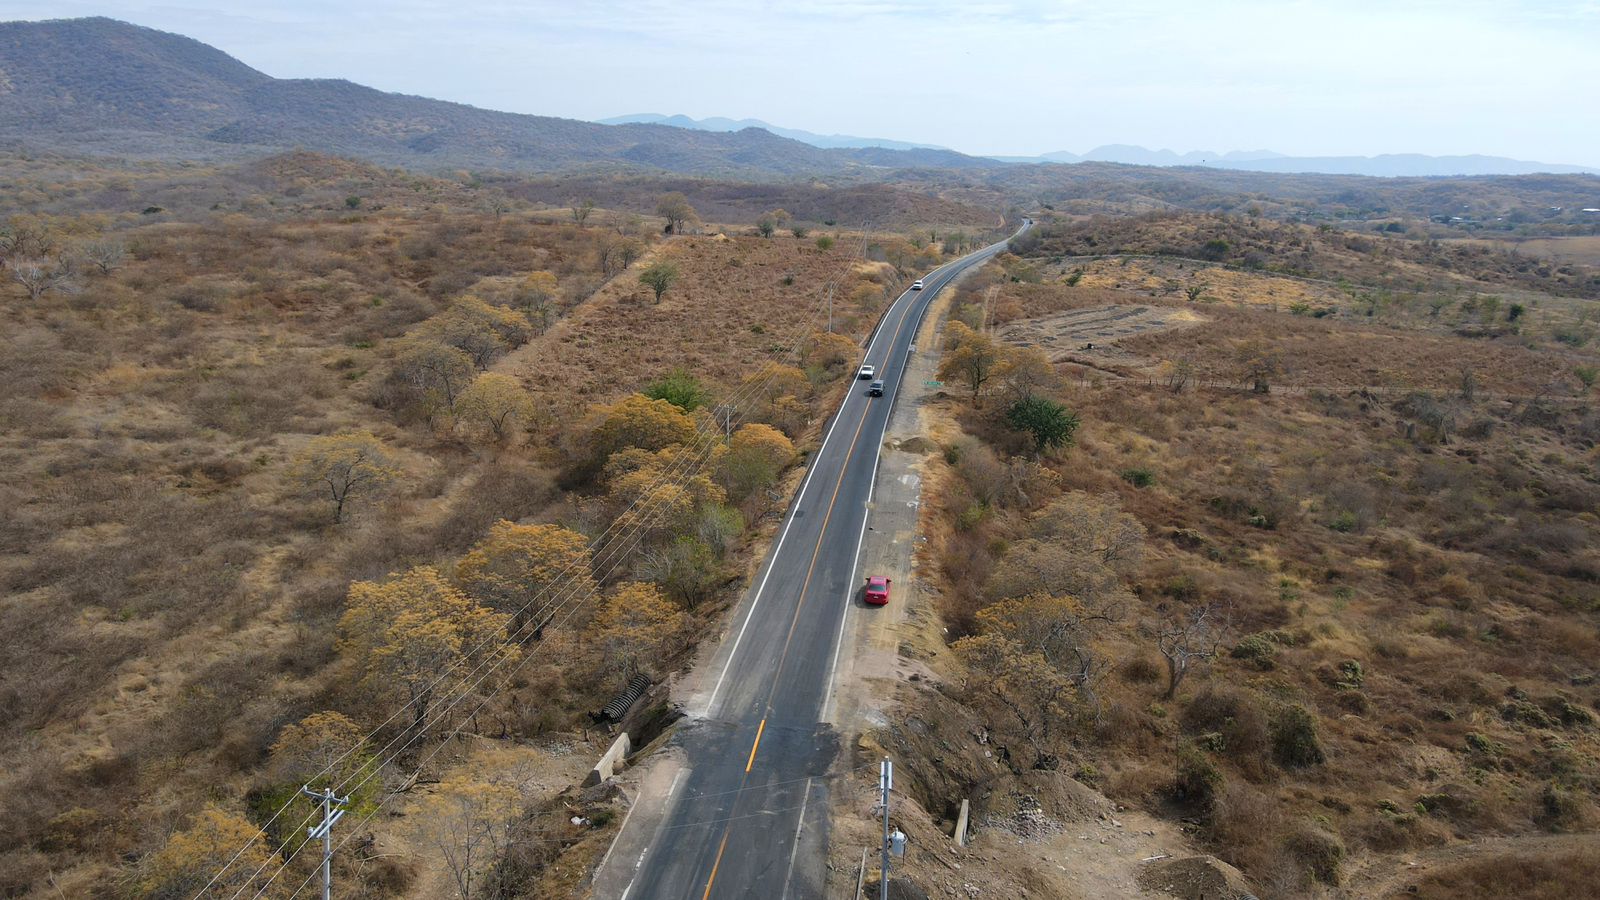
column 1557, row 875
column 169, row 591
column 740, row 300
column 1429, row 598
column 1583, row 250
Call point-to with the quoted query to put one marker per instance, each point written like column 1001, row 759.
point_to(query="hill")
column 109, row 87
column 720, row 123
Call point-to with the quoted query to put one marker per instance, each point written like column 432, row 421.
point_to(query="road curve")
column 749, row 817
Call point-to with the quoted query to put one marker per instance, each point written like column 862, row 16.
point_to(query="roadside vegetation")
column 295, row 446
column 1321, row 586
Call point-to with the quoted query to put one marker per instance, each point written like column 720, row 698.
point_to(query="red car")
column 877, row 591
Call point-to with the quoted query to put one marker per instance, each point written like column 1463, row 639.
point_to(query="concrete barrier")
column 961, row 824
column 609, row 761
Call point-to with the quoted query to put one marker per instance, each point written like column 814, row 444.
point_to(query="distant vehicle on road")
column 867, row 372
column 916, row 285
column 877, row 590
column 875, row 389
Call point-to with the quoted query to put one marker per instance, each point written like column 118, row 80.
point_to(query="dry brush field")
column 175, row 580
column 1331, row 632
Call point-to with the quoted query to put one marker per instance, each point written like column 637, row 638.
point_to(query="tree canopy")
column 659, row 277
column 512, row 568
column 1049, row 423
column 417, row 633
column 635, row 421
column 636, row 625
column 345, row 466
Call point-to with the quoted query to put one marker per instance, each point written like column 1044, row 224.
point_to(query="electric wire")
column 681, row 468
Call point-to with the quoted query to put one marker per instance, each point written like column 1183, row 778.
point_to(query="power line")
column 600, row 546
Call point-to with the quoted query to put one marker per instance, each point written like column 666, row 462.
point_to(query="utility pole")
column 830, row 309
column 894, row 843
column 885, row 784
column 727, row 419
column 324, row 830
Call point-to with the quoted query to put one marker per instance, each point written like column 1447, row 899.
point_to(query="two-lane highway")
column 749, row 818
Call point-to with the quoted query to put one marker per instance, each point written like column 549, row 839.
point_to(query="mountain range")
column 102, row 86
column 1387, row 165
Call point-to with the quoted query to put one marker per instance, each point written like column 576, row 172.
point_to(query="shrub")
column 1521, row 711
column 1320, row 852
column 970, row 517
column 1558, row 809
column 1048, row 422
column 1182, row 588
column 1141, row 670
column 1198, row 781
column 1294, row 738
column 1256, row 649
column 1236, row 719
column 680, row 389
column 1140, row 478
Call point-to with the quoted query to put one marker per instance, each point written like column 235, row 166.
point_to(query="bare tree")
column 42, row 276
column 1187, row 639
column 581, row 210
column 472, row 827
column 617, row 254
column 105, row 254
column 23, row 238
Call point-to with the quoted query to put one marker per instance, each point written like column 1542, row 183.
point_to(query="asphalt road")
column 750, row 816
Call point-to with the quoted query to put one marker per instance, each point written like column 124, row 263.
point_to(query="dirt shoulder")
column 1051, row 836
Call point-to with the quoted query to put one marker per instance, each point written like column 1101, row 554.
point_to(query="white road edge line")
column 855, row 566
column 778, row 548
column 677, row 782
column 794, row 849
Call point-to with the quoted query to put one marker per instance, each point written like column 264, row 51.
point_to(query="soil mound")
column 1196, row 878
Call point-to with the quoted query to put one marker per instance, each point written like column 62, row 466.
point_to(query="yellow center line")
column 753, row 747
column 810, row 570
column 720, row 848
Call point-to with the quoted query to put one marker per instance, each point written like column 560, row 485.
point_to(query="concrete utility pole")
column 726, row 411
column 894, row 842
column 886, row 783
column 324, row 830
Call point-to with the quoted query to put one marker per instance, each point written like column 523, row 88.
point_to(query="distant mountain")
column 718, row 123
column 1388, row 165
column 103, row 86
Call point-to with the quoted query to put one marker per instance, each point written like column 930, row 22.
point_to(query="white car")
column 867, row 372
column 916, row 285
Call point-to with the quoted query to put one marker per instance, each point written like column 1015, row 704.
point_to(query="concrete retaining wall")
column 610, row 761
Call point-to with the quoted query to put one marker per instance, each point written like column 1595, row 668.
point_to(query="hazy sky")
column 1517, row 78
